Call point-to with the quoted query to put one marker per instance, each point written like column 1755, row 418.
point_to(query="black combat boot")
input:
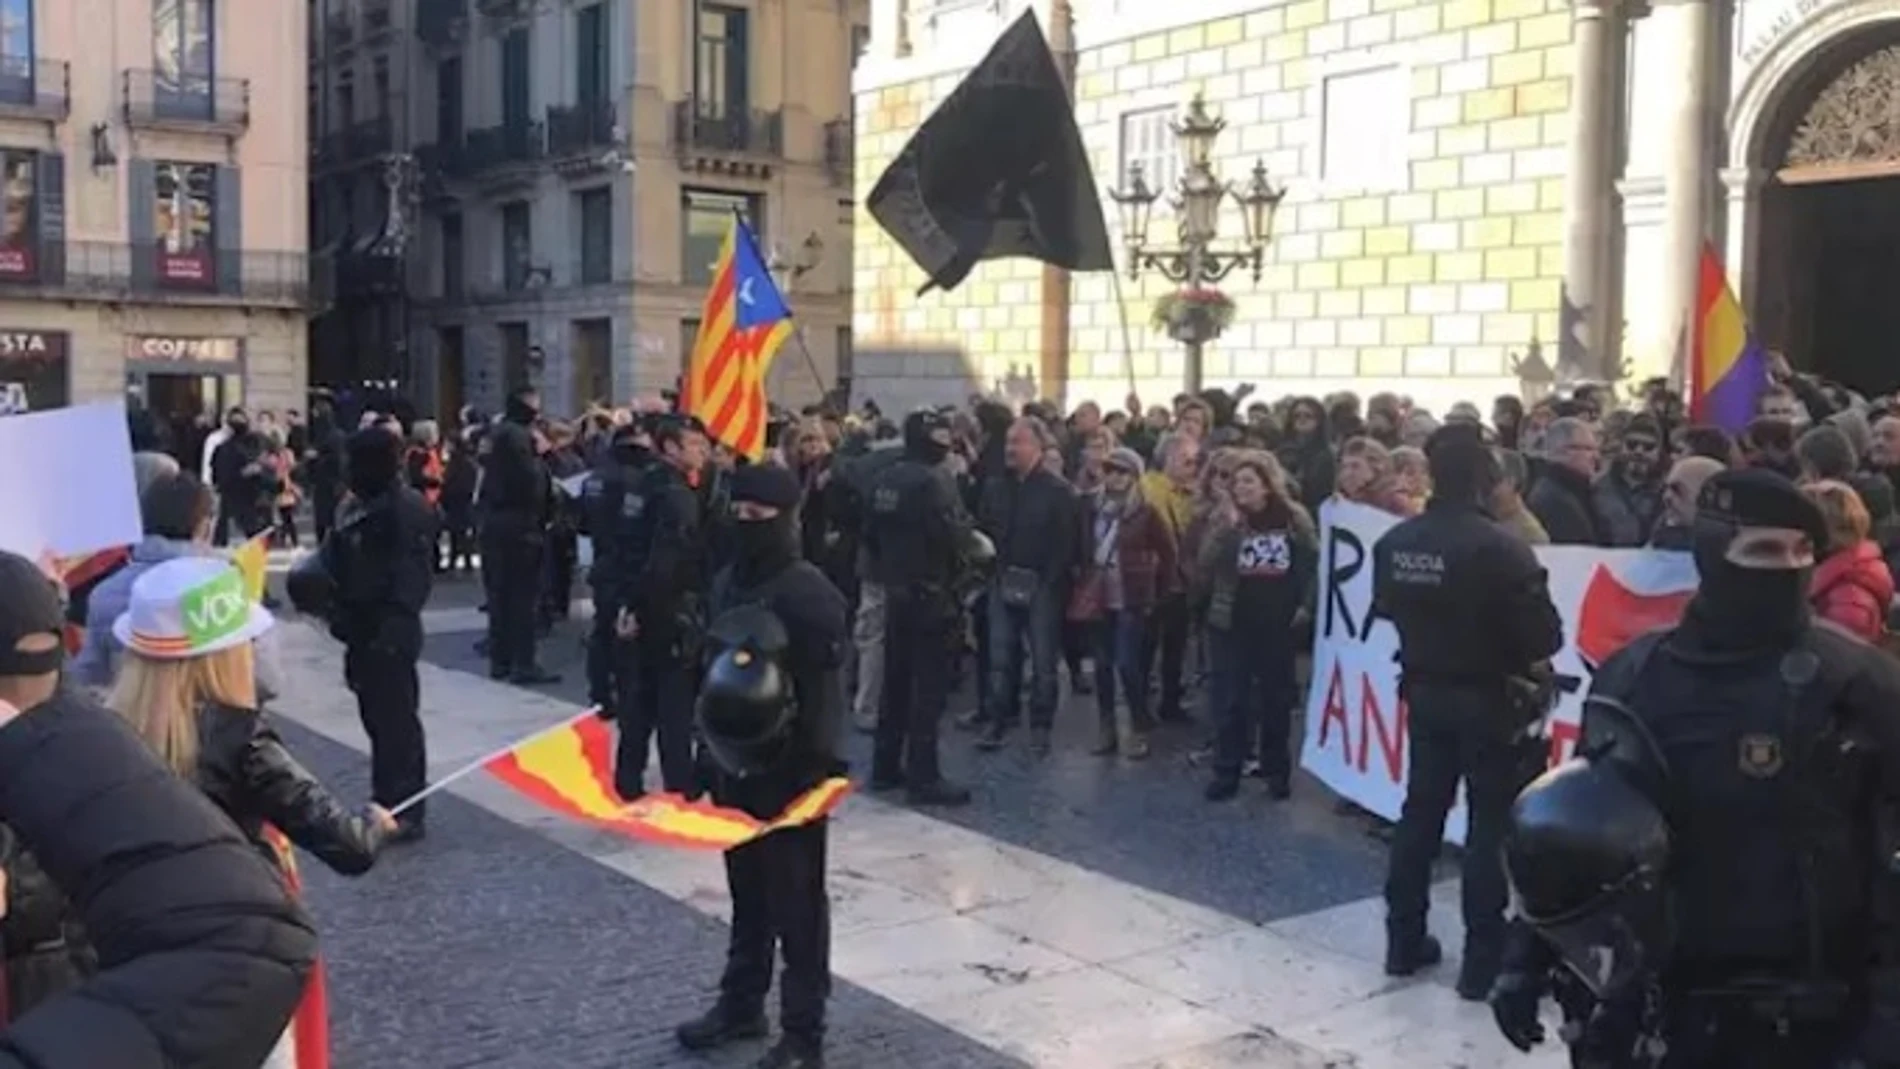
column 789, row 1053
column 1405, row 956
column 719, row 1026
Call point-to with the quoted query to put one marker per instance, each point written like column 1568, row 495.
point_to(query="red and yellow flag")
column 252, row 560
column 744, row 321
column 569, row 769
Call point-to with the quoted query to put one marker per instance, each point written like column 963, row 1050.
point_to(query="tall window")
column 448, row 100
column 517, row 244
column 345, row 99
column 1148, row 139
column 16, row 51
column 454, row 276
column 515, row 72
column 719, row 80
column 590, row 55
column 183, row 47
column 707, row 216
column 379, row 81
column 1363, row 126
column 594, row 212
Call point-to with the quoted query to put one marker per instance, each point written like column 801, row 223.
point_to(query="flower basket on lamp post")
column 1193, row 316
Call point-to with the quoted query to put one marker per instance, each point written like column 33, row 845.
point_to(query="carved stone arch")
column 1853, row 123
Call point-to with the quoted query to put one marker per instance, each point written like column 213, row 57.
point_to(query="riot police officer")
column 663, row 560
column 608, row 511
column 769, row 715
column 1779, row 741
column 915, row 536
column 516, row 501
column 381, row 557
column 1475, row 621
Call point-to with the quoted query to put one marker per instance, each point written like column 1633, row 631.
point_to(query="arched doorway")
column 1827, row 287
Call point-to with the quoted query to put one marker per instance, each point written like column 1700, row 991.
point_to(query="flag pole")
column 482, row 762
column 1128, row 337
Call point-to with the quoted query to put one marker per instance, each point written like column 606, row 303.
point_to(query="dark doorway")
column 451, row 385
column 590, row 362
column 1839, row 279
column 514, row 355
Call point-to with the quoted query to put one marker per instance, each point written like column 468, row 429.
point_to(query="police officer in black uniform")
column 916, row 537
column 1475, row 623
column 770, row 712
column 516, row 501
column 1778, row 749
column 608, row 510
column 382, row 559
column 663, row 561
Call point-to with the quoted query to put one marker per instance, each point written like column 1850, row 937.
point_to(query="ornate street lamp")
column 1197, row 313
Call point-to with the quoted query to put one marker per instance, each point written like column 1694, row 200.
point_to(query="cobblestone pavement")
column 491, row 945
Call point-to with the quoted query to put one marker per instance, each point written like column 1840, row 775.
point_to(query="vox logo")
column 216, row 609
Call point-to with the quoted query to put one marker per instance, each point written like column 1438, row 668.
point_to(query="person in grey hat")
column 1127, row 553
column 1780, row 737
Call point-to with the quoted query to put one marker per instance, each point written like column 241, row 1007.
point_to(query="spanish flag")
column 569, row 769
column 252, row 560
column 744, row 321
column 1728, row 370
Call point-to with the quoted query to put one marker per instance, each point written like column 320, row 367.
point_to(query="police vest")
column 1769, row 799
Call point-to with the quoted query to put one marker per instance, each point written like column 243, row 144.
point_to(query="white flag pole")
column 480, row 763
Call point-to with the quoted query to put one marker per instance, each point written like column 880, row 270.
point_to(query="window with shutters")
column 1148, row 142
column 516, row 73
column 184, row 64
column 16, row 52
column 594, row 213
column 20, row 199
column 591, row 62
column 720, row 76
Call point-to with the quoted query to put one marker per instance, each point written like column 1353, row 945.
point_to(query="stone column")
column 1588, row 243
column 1052, row 373
column 1689, row 175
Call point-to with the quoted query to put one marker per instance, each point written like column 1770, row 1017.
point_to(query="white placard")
column 67, row 478
column 1355, row 722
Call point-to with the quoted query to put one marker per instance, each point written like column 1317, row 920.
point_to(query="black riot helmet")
column 1586, row 854
column 745, row 711
column 311, row 586
column 926, row 436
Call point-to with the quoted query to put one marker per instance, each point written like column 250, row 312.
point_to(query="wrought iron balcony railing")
column 509, row 144
column 700, row 126
column 577, row 129
column 37, row 88
column 353, row 144
column 150, row 271
column 195, row 101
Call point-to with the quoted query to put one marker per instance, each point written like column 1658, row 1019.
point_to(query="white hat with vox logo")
column 189, row 607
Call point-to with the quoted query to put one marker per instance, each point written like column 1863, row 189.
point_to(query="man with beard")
column 1628, row 497
column 1561, row 498
column 1776, row 743
column 772, row 608
column 515, row 503
column 382, row 559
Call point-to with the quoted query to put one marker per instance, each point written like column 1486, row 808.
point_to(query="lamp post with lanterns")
column 1193, row 262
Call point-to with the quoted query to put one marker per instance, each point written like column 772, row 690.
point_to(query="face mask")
column 765, row 544
column 1743, row 607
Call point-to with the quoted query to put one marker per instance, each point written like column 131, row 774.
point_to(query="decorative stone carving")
column 1855, row 120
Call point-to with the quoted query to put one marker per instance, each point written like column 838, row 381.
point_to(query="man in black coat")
column 207, row 955
column 1562, row 498
column 516, row 500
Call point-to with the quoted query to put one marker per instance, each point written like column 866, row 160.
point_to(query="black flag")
column 997, row 171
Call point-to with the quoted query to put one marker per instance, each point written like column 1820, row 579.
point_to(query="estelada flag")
column 742, row 325
column 569, row 769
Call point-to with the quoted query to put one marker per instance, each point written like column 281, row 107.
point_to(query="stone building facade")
column 1469, row 182
column 152, row 181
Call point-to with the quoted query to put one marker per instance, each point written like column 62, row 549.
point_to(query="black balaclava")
column 1464, row 470
column 518, row 410
column 1737, row 608
column 375, row 461
column 920, row 443
column 30, row 604
column 763, row 548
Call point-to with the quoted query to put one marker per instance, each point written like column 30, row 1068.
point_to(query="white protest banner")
column 1355, row 721
column 66, row 474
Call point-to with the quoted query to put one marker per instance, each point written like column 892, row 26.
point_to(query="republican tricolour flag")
column 1728, row 369
column 743, row 323
column 568, row 768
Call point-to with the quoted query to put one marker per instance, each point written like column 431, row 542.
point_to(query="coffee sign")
column 169, row 350
column 34, row 372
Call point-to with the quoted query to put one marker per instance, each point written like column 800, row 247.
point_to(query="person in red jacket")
column 1852, row 586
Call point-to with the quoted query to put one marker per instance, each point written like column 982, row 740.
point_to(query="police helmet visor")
column 1614, row 945
column 1579, row 834
column 742, row 739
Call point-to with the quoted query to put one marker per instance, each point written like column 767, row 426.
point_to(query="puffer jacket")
column 206, row 953
column 46, row 951
column 97, row 660
column 1854, row 589
column 244, row 767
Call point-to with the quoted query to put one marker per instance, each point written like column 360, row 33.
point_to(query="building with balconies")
column 152, row 237
column 579, row 164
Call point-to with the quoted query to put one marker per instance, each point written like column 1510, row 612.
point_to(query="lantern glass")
column 1196, row 132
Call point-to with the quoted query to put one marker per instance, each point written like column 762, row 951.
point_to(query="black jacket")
column 817, row 619
column 205, row 953
column 46, row 952
column 515, row 487
column 244, row 767
column 1469, row 599
column 1033, row 522
column 1562, row 500
column 233, row 469
column 664, row 555
column 915, row 528
column 382, row 556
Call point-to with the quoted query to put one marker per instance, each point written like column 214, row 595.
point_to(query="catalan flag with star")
column 568, row 768
column 744, row 322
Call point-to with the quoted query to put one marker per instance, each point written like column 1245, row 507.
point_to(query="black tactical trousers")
column 779, row 904
column 917, row 633
column 660, row 702
column 603, row 660
column 388, row 698
column 511, row 576
column 1457, row 734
